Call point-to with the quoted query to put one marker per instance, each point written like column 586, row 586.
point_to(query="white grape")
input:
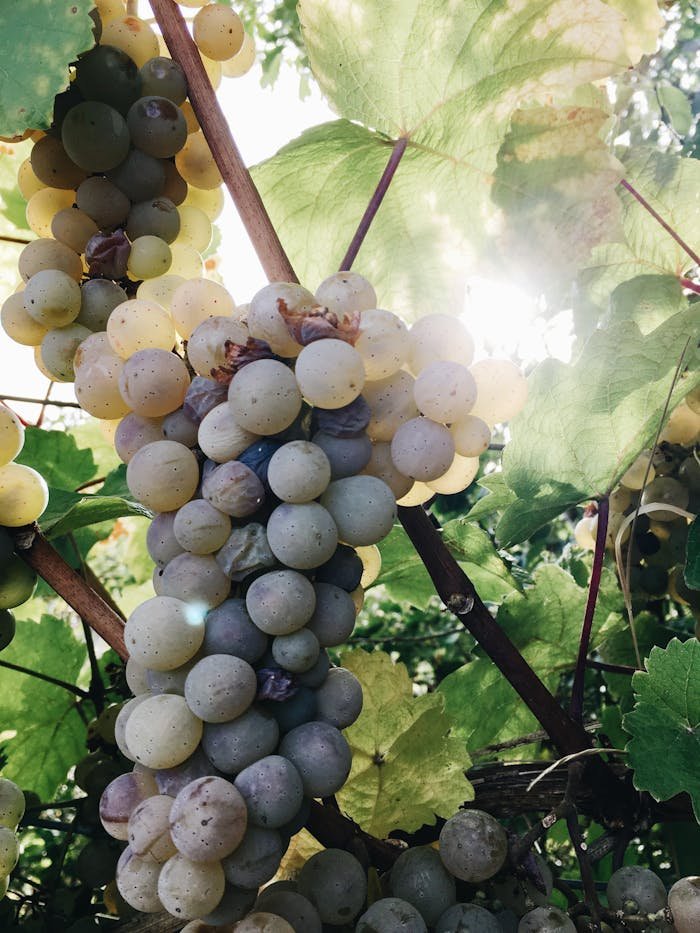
column 371, row 558
column 220, row 687
column 585, row 532
column 195, row 227
column 422, row 449
column 187, row 262
column 458, row 477
column 265, row 321
column 92, row 350
column 149, row 829
column 11, row 435
column 262, row 922
column 197, row 579
column 149, row 257
column 382, row 343
column 52, row 298
column 154, row 382
column 58, row 349
column 220, row 437
column 162, row 732
column 218, row 32
column 206, row 347
column 501, row 390
column 159, row 290
column 298, row 472
column 444, row 391
column 162, row 633
column 137, row 881
column 195, row 301
column 382, row 466
column 140, row 325
column 636, row 474
column 198, row 168
column 133, row 432
column 11, row 804
column 133, row 36
column 264, row 397
column 18, row 324
column 391, row 402
column 208, row 819
column 23, row 495
column 200, row 528
column 190, row 889
column 438, row 337
column 471, row 435
column 9, row 850
column 97, row 387
column 345, row 292
column 330, row 373
column 302, row 536
column 120, row 798
column 163, row 475
column 280, row 602
column 242, row 61
column 362, row 507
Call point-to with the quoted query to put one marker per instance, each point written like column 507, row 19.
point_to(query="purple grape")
column 107, row 254
column 347, row 421
column 203, row 395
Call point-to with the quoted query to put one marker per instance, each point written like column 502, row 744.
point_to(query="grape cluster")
column 11, row 812
column 665, row 487
column 23, row 497
column 121, row 190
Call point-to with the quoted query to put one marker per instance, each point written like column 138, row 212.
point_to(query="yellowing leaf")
column 408, row 766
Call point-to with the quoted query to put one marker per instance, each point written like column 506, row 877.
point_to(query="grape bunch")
column 11, row 812
column 23, row 497
column 120, row 190
column 664, row 485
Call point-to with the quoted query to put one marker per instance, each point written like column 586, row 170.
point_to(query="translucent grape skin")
column 422, row 449
column 154, row 382
column 335, row 883
column 12, row 804
column 208, row 819
column 330, row 373
column 189, row 889
column 162, row 732
column 137, row 881
column 220, row 687
column 163, row 633
column 264, row 397
column 163, row 475
column 121, row 797
column 149, row 829
column 9, row 850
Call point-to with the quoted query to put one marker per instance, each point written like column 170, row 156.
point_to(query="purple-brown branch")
column 659, row 219
column 375, row 201
column 576, row 706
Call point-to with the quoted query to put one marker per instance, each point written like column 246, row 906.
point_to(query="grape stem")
column 659, row 219
column 71, row 688
column 38, row 401
column 397, row 152
column 690, row 285
column 576, row 706
column 230, row 163
column 81, row 597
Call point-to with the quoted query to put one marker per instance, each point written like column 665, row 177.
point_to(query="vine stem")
column 81, row 597
column 397, row 152
column 71, row 688
column 690, row 285
column 223, row 148
column 40, row 401
column 576, row 706
column 659, row 219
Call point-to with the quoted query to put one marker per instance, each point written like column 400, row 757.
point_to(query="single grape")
column 99, row 297
column 74, row 228
column 458, row 477
column 320, row 754
column 264, row 397
column 121, row 797
column 334, row 615
column 58, row 349
column 501, row 390
column 52, row 165
column 546, row 920
column 163, row 475
column 153, row 382
column 12, row 804
column 8, row 628
column 103, row 202
column 233, row 906
column 634, row 889
column 137, row 881
column 242, row 61
column 44, row 254
column 220, row 438
column 133, row 36
column 267, row 323
column 157, row 127
column 362, row 507
column 422, row 449
column 206, row 346
column 208, row 819
column 330, row 373
column 233, row 488
column 23, row 497
column 335, row 883
column 139, row 177
column 196, row 164
column 280, row 602
column 419, row 877
column 299, row 472
column 220, row 687
column 95, row 136
column 382, row 343
column 43, row 206
column 52, row 298
column 195, row 227
column 162, row 77
column 256, row 859
column 149, row 829
column 11, row 435
column 218, row 32
column 107, row 74
column 302, row 536
column 297, row 652
column 684, row 901
column 382, row 466
column 391, row 915
column 162, row 633
column 18, row 324
column 473, row 845
column 262, row 922
column 346, row 455
column 665, row 490
column 189, row 889
column 162, row 732
column 229, row 630
column 339, row 699
column 467, row 918
column 197, row 579
column 232, row 746
column 273, row 791
column 437, row 337
column 293, row 907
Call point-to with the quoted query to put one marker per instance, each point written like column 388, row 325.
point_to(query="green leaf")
column 664, row 751
column 50, row 735
column 692, row 560
column 89, row 434
column 585, row 423
column 406, row 579
column 498, row 496
column 544, row 623
column 407, row 766
column 447, row 78
column 618, row 648
column 648, row 300
column 38, row 40
column 68, row 511
column 677, row 106
column 56, row 455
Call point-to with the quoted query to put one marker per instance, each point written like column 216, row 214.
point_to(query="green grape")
column 157, row 217
column 17, row 582
column 95, row 136
column 195, row 227
column 52, row 298
column 175, row 187
column 9, row 850
column 12, row 804
column 7, row 629
column 99, row 297
column 139, row 176
column 23, row 497
column 18, row 324
column 692, row 400
column 162, row 77
column 52, row 165
column 150, row 257
column 218, row 32
column 43, row 205
column 44, row 254
column 101, row 200
column 74, row 228
column 108, row 75
column 665, row 491
column 157, row 126
column 58, row 349
column 11, row 435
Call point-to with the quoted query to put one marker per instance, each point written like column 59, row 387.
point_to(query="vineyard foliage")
column 521, row 119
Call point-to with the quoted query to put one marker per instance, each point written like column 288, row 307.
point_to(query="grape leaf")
column 398, row 740
column 50, row 735
column 498, row 496
column 13, row 221
column 618, row 648
column 648, row 300
column 664, row 751
column 68, row 511
column 544, row 623
column 692, row 561
column 584, row 423
column 406, row 579
column 447, row 77
column 56, row 455
column 38, row 40
column 677, row 106
column 669, row 183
